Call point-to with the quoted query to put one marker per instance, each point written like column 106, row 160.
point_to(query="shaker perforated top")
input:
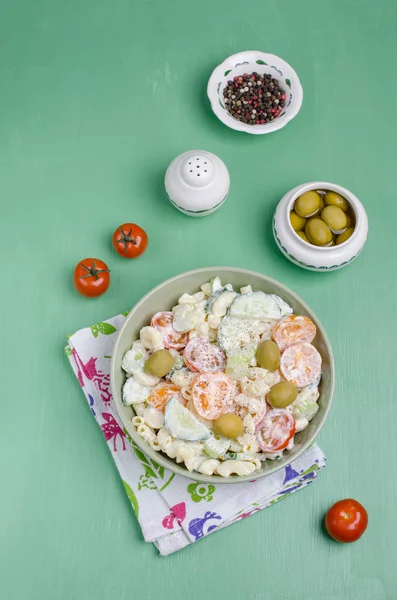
column 197, row 182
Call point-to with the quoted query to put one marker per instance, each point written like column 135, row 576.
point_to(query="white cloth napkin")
column 172, row 511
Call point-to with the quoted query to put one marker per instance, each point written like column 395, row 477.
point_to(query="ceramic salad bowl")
column 163, row 297
column 261, row 62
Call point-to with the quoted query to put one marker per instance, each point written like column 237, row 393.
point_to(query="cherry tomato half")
column 346, row 520
column 275, row 430
column 130, row 240
column 91, row 277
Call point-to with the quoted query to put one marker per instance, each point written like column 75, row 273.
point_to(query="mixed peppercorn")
column 254, row 99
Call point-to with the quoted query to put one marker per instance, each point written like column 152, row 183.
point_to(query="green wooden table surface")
column 96, row 98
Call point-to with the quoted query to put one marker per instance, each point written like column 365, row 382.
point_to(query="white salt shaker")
column 197, row 183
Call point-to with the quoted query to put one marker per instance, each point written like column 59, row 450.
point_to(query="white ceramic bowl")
column 166, row 295
column 261, row 62
column 197, row 183
column 315, row 258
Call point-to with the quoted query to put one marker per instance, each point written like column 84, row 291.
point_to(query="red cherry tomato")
column 275, row 430
column 130, row 240
column 173, row 340
column 203, row 357
column 91, row 277
column 160, row 396
column 346, row 520
column 212, row 394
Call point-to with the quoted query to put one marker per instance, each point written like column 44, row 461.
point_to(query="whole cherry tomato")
column 130, row 240
column 346, row 520
column 91, row 277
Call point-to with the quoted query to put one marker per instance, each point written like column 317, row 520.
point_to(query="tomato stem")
column 93, row 271
column 126, row 239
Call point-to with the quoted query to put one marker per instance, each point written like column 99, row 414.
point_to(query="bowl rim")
column 195, row 475
column 228, row 120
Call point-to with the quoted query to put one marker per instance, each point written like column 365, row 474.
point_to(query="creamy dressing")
column 234, row 323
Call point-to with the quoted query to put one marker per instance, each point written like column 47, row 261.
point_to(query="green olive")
column 334, row 199
column 344, row 236
column 350, row 219
column 159, row 363
column 334, row 217
column 229, row 425
column 268, row 355
column 308, row 204
column 298, row 223
column 282, row 394
column 332, row 242
column 318, row 232
column 303, row 236
column 321, row 203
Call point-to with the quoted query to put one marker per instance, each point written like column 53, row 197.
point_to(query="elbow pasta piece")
column 155, row 445
column 153, row 418
column 212, row 335
column 301, row 424
column 146, row 379
column 255, row 385
column 235, row 467
column 183, row 378
column 200, row 330
column 213, row 321
column 248, row 443
column 151, row 338
column 208, row 467
column 195, row 298
column 247, row 289
column 268, row 327
column 187, row 455
column 206, row 289
column 140, row 409
column 235, row 446
column 146, row 433
column 165, row 439
column 137, row 421
column 199, row 461
column 249, row 424
column 186, row 393
column 250, row 457
column 186, row 299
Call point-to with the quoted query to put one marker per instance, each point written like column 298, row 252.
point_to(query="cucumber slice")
column 182, row 424
column 215, row 284
column 216, row 446
column 285, row 308
column 222, row 303
column 217, row 294
column 258, row 305
column 238, row 333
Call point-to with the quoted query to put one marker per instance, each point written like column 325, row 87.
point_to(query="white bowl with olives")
column 320, row 226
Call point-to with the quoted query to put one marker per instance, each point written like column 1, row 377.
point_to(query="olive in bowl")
column 320, row 226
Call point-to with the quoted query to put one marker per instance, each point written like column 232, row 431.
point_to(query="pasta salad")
column 224, row 380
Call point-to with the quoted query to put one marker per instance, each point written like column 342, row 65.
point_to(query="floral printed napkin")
column 172, row 511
